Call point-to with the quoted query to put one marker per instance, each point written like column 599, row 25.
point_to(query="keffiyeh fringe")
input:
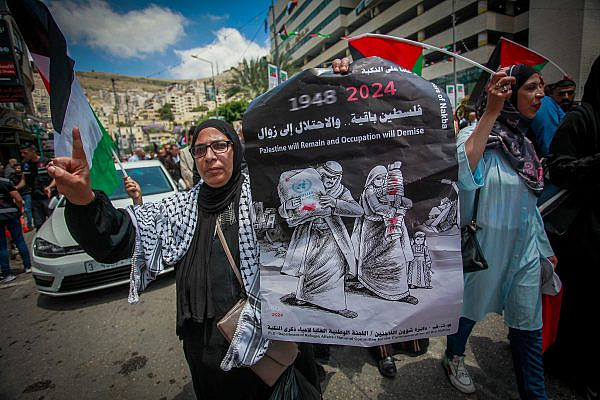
column 164, row 231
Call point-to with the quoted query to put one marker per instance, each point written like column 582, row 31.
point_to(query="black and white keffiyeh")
column 164, row 231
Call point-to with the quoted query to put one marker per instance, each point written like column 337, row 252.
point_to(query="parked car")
column 61, row 267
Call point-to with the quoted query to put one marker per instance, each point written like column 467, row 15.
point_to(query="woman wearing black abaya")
column 574, row 164
column 179, row 231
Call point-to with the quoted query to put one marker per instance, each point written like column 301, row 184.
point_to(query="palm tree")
column 249, row 78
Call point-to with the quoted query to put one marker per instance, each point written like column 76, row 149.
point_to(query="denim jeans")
column 14, row 227
column 28, row 214
column 526, row 347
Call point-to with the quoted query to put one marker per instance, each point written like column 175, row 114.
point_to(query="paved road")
column 96, row 346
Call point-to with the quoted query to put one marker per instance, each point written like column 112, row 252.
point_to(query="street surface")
column 97, row 346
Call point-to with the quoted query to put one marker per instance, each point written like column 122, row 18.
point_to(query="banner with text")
column 354, row 187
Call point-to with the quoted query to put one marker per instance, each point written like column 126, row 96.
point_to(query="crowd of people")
column 525, row 142
column 177, row 161
column 25, row 188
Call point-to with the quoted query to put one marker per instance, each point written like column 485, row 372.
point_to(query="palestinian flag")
column 506, row 53
column 320, row 35
column 68, row 104
column 406, row 55
column 514, row 53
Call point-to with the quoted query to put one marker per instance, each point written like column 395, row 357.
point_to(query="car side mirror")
column 181, row 185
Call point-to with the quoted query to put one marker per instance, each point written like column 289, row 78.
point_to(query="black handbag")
column 473, row 259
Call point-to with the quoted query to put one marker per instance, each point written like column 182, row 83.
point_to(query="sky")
column 156, row 39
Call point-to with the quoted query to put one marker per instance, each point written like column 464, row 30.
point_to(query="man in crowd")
column 18, row 179
column 10, row 168
column 172, row 163
column 555, row 104
column 39, row 182
column 138, row 155
column 10, row 204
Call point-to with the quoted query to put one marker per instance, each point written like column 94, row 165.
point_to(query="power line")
column 224, row 37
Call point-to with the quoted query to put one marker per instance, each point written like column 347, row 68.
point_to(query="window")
column 152, row 180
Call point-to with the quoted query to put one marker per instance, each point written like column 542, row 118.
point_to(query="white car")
column 61, row 267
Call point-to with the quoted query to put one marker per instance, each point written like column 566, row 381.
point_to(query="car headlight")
column 43, row 248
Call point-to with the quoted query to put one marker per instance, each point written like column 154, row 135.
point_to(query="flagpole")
column 119, row 162
column 425, row 46
column 454, row 58
column 276, row 45
column 538, row 54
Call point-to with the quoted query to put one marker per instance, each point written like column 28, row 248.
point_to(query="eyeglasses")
column 218, row 147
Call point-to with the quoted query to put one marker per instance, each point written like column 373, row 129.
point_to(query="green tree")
column 230, row 111
column 165, row 113
column 249, row 78
column 200, row 108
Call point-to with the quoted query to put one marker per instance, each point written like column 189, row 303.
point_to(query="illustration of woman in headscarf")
column 419, row 269
column 320, row 252
column 380, row 238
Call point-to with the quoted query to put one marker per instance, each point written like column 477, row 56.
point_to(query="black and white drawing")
column 419, row 269
column 319, row 252
column 354, row 207
column 380, row 238
column 444, row 216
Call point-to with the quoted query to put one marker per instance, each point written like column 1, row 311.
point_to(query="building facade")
column 568, row 32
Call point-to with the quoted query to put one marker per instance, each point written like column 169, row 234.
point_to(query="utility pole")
column 454, row 58
column 116, row 108
column 128, row 119
column 276, row 44
column 212, row 70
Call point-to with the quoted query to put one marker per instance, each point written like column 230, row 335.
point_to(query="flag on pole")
column 506, row 53
column 291, row 5
column 514, row 53
column 404, row 54
column 68, row 104
column 320, row 35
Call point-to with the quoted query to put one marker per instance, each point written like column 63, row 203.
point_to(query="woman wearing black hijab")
column 179, row 230
column 497, row 161
column 574, row 164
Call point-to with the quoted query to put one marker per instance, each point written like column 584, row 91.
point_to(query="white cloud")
column 217, row 18
column 137, row 33
column 226, row 51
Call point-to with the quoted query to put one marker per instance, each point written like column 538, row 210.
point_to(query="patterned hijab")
column 509, row 134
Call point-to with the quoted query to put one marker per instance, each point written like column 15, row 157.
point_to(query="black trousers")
column 40, row 211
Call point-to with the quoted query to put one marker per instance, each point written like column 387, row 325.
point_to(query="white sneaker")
column 28, row 270
column 8, row 278
column 458, row 374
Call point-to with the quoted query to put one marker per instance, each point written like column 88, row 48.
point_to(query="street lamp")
column 212, row 69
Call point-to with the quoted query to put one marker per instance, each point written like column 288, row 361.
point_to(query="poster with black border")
column 353, row 181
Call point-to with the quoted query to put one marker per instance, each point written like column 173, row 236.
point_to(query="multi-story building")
column 568, row 32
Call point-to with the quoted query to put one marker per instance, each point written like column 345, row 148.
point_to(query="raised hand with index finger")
column 72, row 174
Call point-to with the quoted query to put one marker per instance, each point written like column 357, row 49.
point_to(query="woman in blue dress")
column 497, row 158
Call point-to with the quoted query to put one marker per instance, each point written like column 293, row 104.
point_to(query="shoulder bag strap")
column 228, row 254
column 475, row 207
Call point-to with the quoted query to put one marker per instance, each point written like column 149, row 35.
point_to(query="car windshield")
column 152, row 180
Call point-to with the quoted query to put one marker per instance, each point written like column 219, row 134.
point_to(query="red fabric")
column 550, row 318
column 404, row 54
column 514, row 53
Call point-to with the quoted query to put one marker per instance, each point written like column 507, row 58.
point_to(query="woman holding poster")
column 380, row 238
column 180, row 231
